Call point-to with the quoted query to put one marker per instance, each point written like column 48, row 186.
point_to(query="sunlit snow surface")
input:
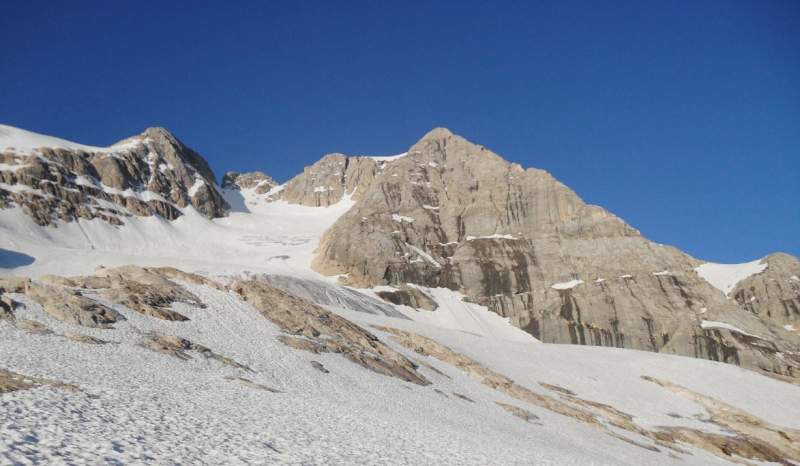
column 724, row 277
column 136, row 406
column 24, row 142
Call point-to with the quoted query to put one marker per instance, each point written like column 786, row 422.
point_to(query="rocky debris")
column 149, row 174
column 251, row 384
column 409, row 296
column 317, row 330
column 178, row 347
column 749, row 437
column 318, row 366
column 11, row 382
column 523, row 414
column 774, row 294
column 259, row 181
column 454, row 214
column 71, row 307
column 331, row 178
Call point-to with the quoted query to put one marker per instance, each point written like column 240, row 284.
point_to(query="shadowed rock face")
column 153, row 174
column 454, row 214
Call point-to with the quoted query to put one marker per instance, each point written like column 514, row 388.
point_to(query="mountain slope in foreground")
column 209, row 338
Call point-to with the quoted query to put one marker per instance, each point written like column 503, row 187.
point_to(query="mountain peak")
column 158, row 131
column 437, row 133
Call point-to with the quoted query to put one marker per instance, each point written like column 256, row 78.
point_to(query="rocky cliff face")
column 153, row 173
column 328, row 180
column 454, row 214
column 773, row 294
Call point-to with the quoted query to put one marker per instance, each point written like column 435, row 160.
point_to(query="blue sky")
column 683, row 118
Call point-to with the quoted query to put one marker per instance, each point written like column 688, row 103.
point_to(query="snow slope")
column 138, row 406
column 25, row 142
column 273, row 237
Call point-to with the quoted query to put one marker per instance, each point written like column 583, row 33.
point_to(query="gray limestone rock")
column 454, row 214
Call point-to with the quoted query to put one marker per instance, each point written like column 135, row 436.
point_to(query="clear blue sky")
column 683, row 118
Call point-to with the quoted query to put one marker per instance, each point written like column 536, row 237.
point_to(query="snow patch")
column 198, row 183
column 388, row 158
column 566, row 285
column 724, row 277
column 424, row 255
column 726, row 326
column 400, row 218
column 494, row 236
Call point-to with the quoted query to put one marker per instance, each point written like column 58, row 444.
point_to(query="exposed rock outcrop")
column 71, row 306
column 773, row 294
column 328, row 180
column 147, row 291
column 747, row 436
column 182, row 348
column 409, row 296
column 259, row 181
column 153, row 173
column 12, row 381
column 316, row 330
column 454, row 214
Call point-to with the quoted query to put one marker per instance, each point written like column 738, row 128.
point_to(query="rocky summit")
column 454, row 214
column 152, row 173
column 442, row 305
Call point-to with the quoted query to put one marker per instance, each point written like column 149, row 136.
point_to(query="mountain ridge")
column 453, row 214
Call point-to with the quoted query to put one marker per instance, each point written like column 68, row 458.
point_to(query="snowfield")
column 133, row 405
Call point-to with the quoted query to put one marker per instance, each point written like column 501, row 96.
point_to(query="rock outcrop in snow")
column 328, row 180
column 774, row 293
column 260, row 182
column 149, row 174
